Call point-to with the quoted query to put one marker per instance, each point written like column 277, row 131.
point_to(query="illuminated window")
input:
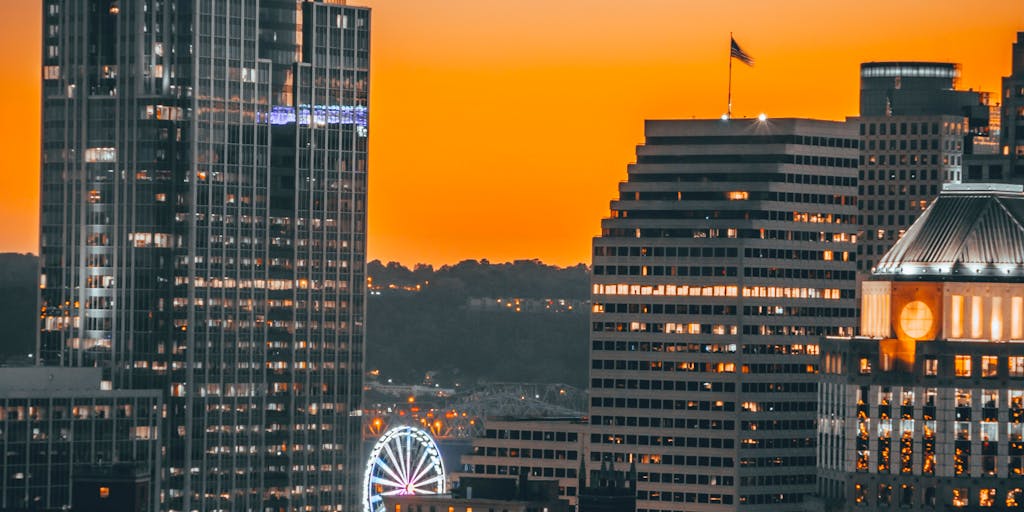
column 962, row 366
column 1016, row 325
column 931, row 366
column 865, row 366
column 986, row 497
column 1016, row 366
column 104, row 492
column 976, row 325
column 860, row 495
column 1014, row 497
column 957, row 316
column 989, row 366
column 960, row 497
column 996, row 322
column 738, row 195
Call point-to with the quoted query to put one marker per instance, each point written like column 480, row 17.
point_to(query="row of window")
column 658, row 346
column 675, row 423
column 792, row 139
column 729, row 175
column 913, row 128
column 701, row 367
column 525, row 453
column 664, row 385
column 959, row 497
column 668, row 405
column 694, row 328
column 722, row 290
column 963, row 366
column 770, row 158
column 901, row 174
column 685, row 497
column 673, row 460
column 750, row 234
column 531, row 435
column 744, row 195
column 689, row 442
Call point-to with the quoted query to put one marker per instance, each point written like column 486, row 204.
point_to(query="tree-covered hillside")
column 453, row 324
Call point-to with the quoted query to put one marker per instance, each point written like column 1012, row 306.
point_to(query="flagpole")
column 729, row 98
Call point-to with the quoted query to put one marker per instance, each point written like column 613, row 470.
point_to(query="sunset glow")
column 500, row 130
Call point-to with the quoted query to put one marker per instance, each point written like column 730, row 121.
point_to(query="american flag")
column 738, row 53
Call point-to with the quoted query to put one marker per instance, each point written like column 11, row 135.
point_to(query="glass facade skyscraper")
column 203, row 232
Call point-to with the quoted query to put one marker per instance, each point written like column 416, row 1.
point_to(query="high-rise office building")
column 728, row 254
column 916, row 128
column 925, row 410
column 1012, row 129
column 203, row 232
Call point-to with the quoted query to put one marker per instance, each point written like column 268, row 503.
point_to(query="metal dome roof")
column 970, row 232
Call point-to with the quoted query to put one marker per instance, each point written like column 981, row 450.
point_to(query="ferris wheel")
column 405, row 460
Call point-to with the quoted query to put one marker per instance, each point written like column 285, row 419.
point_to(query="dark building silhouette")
column 609, row 490
column 112, row 488
column 56, row 422
column 479, row 494
column 203, row 232
column 1012, row 135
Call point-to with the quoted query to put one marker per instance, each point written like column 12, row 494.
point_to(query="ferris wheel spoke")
column 420, row 469
column 408, row 458
column 427, row 481
column 403, row 454
column 387, row 469
column 395, row 492
column 384, row 481
column 395, row 464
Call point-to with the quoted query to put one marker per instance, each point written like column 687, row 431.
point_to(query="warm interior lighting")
column 976, row 326
column 738, row 195
column 104, row 492
column 1016, row 326
column 956, row 316
column 916, row 319
column 996, row 326
column 875, row 304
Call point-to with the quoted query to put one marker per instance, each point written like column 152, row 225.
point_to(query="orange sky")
column 500, row 129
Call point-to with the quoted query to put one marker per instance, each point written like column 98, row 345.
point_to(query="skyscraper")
column 728, row 254
column 915, row 128
column 1012, row 136
column 203, row 232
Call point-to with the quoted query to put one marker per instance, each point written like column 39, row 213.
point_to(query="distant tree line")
column 412, row 333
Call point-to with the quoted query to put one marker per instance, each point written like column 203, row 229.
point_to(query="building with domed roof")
column 926, row 408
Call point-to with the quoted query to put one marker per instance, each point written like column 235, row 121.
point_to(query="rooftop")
column 971, row 232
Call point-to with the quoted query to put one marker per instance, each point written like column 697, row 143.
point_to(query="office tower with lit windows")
column 727, row 256
column 925, row 409
column 203, row 233
column 916, row 128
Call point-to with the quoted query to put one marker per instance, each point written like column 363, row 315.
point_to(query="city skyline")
column 491, row 80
